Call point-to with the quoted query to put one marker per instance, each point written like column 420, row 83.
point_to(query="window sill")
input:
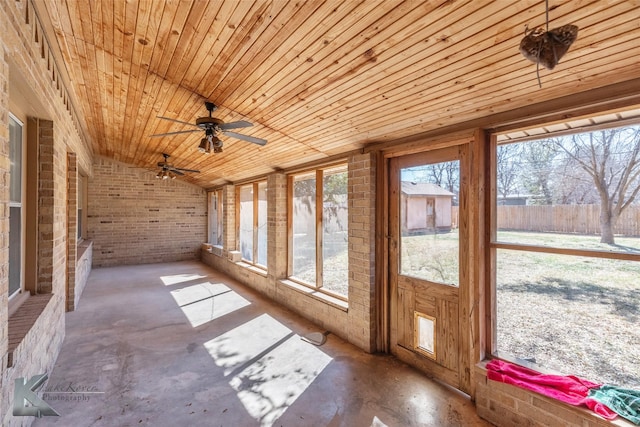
column 213, row 249
column 82, row 247
column 315, row 294
column 16, row 301
column 23, row 319
column 260, row 271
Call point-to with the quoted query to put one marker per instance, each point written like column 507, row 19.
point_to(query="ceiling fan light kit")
column 210, row 142
column 165, row 175
column 167, row 170
column 213, row 127
column 204, row 146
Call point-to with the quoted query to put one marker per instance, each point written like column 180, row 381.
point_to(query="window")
column 566, row 252
column 16, row 229
column 215, row 217
column 82, row 203
column 429, row 238
column 253, row 223
column 319, row 237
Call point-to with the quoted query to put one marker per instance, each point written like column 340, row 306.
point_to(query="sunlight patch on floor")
column 206, row 301
column 179, row 278
column 246, row 342
column 199, row 292
column 269, row 365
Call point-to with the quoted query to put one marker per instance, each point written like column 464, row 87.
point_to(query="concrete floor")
column 180, row 344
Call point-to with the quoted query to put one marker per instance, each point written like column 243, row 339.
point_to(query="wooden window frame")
column 494, row 244
column 17, row 297
column 255, row 186
column 319, row 235
column 219, row 223
column 82, row 194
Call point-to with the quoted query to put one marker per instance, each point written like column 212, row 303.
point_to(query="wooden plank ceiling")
column 316, row 78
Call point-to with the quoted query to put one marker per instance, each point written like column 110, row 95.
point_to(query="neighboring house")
column 426, row 208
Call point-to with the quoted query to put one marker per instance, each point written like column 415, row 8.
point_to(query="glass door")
column 425, row 212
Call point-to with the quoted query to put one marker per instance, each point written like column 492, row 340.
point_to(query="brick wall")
column 30, row 80
column 505, row 406
column 33, row 356
column 135, row 218
column 362, row 205
column 4, row 216
column 228, row 218
column 276, row 229
column 46, row 204
column 355, row 323
column 72, row 229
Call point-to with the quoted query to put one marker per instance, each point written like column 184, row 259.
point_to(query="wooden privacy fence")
column 580, row 219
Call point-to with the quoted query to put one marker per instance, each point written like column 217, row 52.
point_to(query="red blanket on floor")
column 569, row 389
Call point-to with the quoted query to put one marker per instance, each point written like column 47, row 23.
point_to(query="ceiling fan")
column 212, row 128
column 167, row 170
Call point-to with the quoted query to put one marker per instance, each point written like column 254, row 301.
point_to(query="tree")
column 611, row 157
column 539, row 157
column 575, row 186
column 509, row 167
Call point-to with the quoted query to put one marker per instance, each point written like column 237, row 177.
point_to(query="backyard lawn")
column 575, row 315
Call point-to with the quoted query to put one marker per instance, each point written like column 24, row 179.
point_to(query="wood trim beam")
column 613, row 97
column 567, row 251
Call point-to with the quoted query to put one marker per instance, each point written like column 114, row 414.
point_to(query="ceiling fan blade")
column 253, row 139
column 176, row 133
column 236, row 125
column 176, row 171
column 175, row 120
column 184, row 170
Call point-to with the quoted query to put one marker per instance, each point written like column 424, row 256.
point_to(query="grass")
column 431, row 257
column 335, row 261
column 575, row 315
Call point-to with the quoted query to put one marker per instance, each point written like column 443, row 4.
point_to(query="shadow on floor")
column 180, row 344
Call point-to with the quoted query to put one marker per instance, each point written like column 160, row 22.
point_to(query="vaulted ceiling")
column 316, row 78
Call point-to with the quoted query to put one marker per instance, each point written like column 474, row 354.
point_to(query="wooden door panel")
column 426, row 304
column 433, row 290
column 405, row 318
column 447, row 338
column 446, row 313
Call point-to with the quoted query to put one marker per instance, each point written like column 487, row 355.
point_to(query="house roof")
column 315, row 78
column 424, row 189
